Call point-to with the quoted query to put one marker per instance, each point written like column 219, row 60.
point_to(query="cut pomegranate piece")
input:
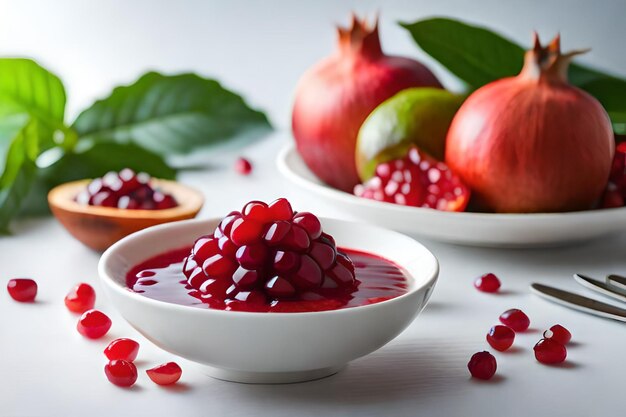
column 265, row 253
column 548, row 351
column 516, row 319
column 487, row 283
column 93, row 324
column 122, row 349
column 80, row 298
column 416, row 180
column 121, row 373
column 22, row 289
column 558, row 333
column 500, row 337
column 243, row 166
column 166, row 374
column 482, row 365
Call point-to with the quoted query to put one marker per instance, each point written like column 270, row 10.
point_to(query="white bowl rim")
column 125, row 291
column 291, row 174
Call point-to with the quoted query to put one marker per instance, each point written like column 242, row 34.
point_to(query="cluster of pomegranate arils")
column 615, row 193
column 416, row 180
column 125, row 190
column 549, row 350
column 93, row 324
column 267, row 252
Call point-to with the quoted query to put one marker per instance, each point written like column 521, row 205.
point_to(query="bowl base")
column 246, row 377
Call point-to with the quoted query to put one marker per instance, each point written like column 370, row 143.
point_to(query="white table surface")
column 48, row 369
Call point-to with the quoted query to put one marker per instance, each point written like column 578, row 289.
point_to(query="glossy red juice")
column 161, row 278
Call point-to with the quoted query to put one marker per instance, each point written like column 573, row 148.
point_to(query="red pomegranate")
column 532, row 143
column 334, row 97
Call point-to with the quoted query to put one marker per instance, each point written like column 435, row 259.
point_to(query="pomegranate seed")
column 121, row 373
column 166, row 374
column 276, row 232
column 558, row 333
column 245, row 231
column 482, row 365
column 279, row 287
column 93, row 324
column 516, row 319
column 501, row 337
column 204, row 248
column 243, row 166
column 309, row 275
column 548, row 351
column 281, row 209
column 22, row 289
column 297, row 239
column 81, row 298
column 245, row 279
column 323, row 254
column 257, row 210
column 122, row 349
column 285, row 262
column 252, row 256
column 487, row 283
column 310, row 223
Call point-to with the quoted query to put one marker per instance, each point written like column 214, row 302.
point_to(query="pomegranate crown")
column 361, row 38
column 548, row 63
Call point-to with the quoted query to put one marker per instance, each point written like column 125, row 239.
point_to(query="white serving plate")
column 476, row 229
column 269, row 347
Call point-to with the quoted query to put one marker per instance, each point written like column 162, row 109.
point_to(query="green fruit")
column 416, row 116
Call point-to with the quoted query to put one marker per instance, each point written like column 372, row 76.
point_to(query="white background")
column 260, row 48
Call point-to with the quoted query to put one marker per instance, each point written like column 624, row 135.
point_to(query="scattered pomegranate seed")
column 548, row 351
column 166, row 374
column 501, row 337
column 93, row 324
column 81, row 298
column 516, row 319
column 121, row 373
column 487, row 283
column 22, row 289
column 122, row 349
column 558, row 333
column 482, row 365
column 243, row 166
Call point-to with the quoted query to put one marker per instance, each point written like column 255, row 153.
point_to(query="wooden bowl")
column 100, row 227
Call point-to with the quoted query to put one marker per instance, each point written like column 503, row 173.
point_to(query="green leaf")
column 611, row 92
column 170, row 115
column 91, row 163
column 19, row 173
column 28, row 88
column 479, row 56
column 474, row 54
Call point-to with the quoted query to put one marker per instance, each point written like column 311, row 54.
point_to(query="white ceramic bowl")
column 269, row 347
column 479, row 229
